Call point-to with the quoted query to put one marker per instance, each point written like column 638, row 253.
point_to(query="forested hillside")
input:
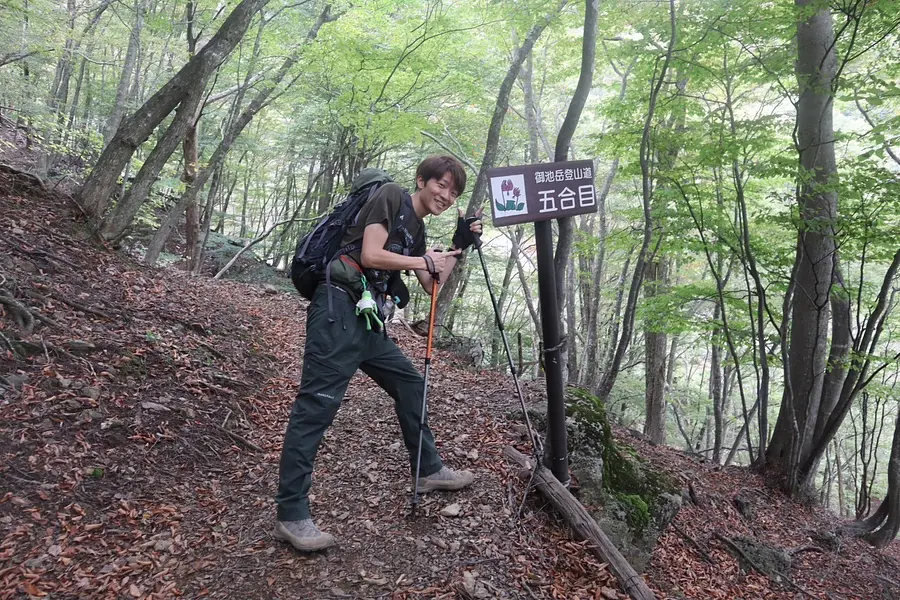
column 733, row 296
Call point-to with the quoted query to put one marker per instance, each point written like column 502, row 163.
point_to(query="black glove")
column 464, row 237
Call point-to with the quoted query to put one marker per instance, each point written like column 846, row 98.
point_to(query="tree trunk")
column 592, row 308
column 185, row 87
column 840, row 477
column 450, row 287
column 134, row 46
column 885, row 524
column 526, row 289
column 214, row 185
column 504, row 292
column 655, row 348
column 816, row 258
column 622, row 343
column 120, row 218
column 571, row 346
column 59, row 92
column 566, row 239
column 191, row 151
column 716, row 391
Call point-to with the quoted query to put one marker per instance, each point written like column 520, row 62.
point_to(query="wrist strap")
column 429, row 264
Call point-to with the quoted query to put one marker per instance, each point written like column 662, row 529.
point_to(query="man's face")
column 438, row 194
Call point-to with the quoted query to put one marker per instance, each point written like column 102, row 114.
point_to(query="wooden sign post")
column 539, row 193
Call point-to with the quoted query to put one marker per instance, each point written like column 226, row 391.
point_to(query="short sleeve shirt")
column 383, row 207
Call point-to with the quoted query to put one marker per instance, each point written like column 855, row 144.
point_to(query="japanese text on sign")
column 542, row 191
column 567, row 198
column 556, row 175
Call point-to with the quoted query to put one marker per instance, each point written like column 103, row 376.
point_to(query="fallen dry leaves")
column 141, row 444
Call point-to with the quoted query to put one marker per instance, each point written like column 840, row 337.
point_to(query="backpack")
column 319, row 247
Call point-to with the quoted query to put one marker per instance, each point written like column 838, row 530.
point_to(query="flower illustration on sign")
column 509, row 200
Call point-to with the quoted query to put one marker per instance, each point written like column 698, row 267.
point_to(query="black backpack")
column 321, row 245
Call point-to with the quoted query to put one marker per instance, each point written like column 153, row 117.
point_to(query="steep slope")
column 141, row 419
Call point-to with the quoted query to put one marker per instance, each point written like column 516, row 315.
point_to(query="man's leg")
column 330, row 359
column 395, row 374
column 317, row 403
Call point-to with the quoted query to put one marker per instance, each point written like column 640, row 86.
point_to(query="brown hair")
column 435, row 167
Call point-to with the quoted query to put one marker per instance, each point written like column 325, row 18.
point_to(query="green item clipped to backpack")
column 368, row 309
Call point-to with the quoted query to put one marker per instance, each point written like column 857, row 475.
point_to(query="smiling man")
column 387, row 237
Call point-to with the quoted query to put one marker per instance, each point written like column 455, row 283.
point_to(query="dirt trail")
column 142, row 437
column 141, row 422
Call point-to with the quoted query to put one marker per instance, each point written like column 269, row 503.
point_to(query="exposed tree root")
column 20, row 314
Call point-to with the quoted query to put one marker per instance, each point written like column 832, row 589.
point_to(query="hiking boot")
column 445, row 479
column 303, row 535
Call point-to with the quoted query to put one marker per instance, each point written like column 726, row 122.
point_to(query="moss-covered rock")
column 753, row 554
column 631, row 501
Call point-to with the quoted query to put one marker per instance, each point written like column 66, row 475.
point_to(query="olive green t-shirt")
column 383, row 207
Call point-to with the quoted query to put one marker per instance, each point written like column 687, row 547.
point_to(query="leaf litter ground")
column 141, row 436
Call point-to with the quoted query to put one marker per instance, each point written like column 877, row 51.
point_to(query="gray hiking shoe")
column 302, row 535
column 445, row 479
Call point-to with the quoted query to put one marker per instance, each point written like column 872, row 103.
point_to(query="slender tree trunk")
column 220, row 226
column 185, row 87
column 191, row 151
column 621, row 345
column 450, row 287
column 716, row 391
column 526, row 289
column 59, row 92
column 840, row 477
column 885, row 524
column 655, row 348
column 134, row 45
column 244, row 202
column 590, row 365
column 571, row 314
column 73, row 106
column 197, row 259
column 504, row 293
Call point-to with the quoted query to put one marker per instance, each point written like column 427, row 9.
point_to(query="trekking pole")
column 535, row 439
column 428, row 348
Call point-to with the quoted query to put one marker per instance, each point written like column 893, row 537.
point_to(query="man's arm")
column 374, row 256
column 467, row 232
column 424, row 276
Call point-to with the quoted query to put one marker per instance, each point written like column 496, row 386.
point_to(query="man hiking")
column 387, row 237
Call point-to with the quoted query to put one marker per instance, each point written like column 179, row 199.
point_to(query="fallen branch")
column 48, row 255
column 45, row 319
column 212, row 351
column 807, row 548
column 82, row 307
column 255, row 241
column 240, row 439
column 34, row 179
column 584, row 526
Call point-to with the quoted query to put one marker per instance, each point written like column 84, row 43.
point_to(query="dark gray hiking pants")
column 333, row 353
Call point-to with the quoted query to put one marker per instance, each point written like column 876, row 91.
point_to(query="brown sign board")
column 540, row 192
